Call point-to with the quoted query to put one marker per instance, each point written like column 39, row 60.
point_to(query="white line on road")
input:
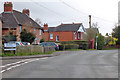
column 16, row 64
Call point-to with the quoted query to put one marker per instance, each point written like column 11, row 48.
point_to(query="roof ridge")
column 15, row 18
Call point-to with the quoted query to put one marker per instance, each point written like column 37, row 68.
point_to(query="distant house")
column 15, row 21
column 64, row 32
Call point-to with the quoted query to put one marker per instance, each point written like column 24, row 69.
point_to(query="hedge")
column 83, row 44
column 68, row 46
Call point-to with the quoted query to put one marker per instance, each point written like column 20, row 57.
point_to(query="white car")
column 17, row 43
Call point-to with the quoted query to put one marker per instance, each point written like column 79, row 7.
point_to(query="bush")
column 85, row 46
column 42, row 40
column 100, row 42
column 61, row 47
column 68, row 46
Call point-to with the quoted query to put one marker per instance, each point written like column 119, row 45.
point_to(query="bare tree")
column 38, row 21
column 91, row 33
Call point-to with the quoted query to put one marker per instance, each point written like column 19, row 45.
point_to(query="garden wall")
column 34, row 49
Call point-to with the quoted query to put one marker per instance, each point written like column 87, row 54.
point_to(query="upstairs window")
column 20, row 29
column 34, row 30
column 51, row 36
column 40, row 31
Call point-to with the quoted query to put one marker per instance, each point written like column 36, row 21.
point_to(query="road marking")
column 14, row 63
column 19, row 63
column 2, row 71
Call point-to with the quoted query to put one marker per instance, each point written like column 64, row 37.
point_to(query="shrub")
column 100, row 42
column 68, row 46
column 61, row 47
column 85, row 46
column 42, row 40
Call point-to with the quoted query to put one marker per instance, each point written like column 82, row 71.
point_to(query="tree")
column 91, row 33
column 100, row 42
column 116, row 34
column 118, row 41
column 38, row 21
column 27, row 36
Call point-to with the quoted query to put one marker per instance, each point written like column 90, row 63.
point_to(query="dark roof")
column 15, row 18
column 65, row 27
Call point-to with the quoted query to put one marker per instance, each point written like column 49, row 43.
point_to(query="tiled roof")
column 15, row 18
column 65, row 27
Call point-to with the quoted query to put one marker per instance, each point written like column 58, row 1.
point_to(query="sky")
column 55, row 12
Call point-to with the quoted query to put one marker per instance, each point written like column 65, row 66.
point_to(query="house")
column 64, row 32
column 15, row 21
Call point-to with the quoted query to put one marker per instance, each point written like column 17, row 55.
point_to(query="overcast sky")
column 55, row 12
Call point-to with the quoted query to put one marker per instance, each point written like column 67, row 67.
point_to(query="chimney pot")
column 45, row 27
column 8, row 7
column 26, row 11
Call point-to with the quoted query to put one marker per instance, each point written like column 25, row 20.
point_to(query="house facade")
column 15, row 21
column 64, row 32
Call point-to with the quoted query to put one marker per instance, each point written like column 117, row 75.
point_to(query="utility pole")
column 0, row 36
column 89, row 21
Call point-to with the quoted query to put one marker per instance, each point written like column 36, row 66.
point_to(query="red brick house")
column 64, row 32
column 15, row 21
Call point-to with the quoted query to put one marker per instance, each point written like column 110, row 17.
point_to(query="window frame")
column 51, row 35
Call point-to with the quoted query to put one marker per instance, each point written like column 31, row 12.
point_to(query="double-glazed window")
column 51, row 35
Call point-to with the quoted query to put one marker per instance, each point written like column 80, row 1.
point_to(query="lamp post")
column 96, row 42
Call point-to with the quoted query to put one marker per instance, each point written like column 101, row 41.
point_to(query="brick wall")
column 63, row 36
column 17, row 32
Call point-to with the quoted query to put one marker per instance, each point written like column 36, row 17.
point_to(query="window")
column 20, row 29
column 57, row 38
column 75, row 35
column 78, row 35
column 40, row 31
column 34, row 30
column 51, row 36
column 81, row 35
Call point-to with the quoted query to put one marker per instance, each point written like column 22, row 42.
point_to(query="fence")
column 34, row 49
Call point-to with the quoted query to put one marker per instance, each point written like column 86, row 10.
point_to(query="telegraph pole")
column 89, row 21
column 0, row 36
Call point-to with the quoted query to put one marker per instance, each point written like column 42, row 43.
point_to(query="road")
column 70, row 64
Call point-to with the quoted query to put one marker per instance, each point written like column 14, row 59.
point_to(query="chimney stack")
column 89, row 21
column 8, row 7
column 46, row 27
column 26, row 11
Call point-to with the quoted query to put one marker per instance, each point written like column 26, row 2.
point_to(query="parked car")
column 25, row 43
column 50, row 44
column 17, row 43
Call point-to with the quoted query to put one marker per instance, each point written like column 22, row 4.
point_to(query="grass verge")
column 24, row 54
